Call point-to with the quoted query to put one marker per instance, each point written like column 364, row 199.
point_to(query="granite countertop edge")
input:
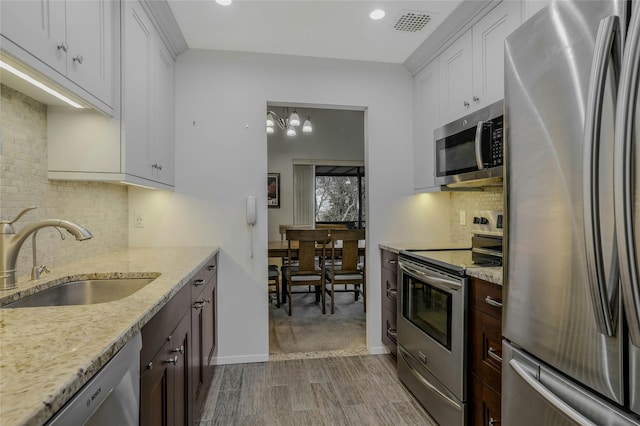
column 86, row 337
column 491, row 274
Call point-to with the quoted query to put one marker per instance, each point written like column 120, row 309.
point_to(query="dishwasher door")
column 112, row 396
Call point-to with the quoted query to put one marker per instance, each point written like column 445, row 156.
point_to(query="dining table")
column 280, row 249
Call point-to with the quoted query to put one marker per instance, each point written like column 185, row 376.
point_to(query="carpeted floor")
column 307, row 333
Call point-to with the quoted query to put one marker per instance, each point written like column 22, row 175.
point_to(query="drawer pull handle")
column 150, row 366
column 391, row 261
column 392, row 333
column 493, row 302
column 180, row 349
column 211, row 268
column 79, row 59
column 63, row 46
column 173, row 360
column 392, row 293
column 493, row 422
column 198, row 305
column 493, row 354
column 198, row 283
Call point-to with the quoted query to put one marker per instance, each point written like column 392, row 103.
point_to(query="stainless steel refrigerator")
column 571, row 353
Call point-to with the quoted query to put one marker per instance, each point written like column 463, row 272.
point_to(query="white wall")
column 337, row 135
column 221, row 156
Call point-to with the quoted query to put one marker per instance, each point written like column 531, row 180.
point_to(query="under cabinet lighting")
column 136, row 184
column 223, row 2
column 38, row 84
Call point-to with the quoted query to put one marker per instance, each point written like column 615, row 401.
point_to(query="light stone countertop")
column 492, row 274
column 48, row 353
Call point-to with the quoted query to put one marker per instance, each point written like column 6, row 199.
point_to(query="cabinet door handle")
column 78, row 58
column 63, row 46
column 391, row 261
column 198, row 283
column 391, row 332
column 211, row 268
column 466, row 104
column 173, row 360
column 493, row 354
column 180, row 349
column 150, row 366
column 198, row 305
column 493, row 422
column 493, row 302
column 475, row 98
column 392, row 293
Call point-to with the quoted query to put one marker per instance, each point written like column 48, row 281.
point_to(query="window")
column 340, row 195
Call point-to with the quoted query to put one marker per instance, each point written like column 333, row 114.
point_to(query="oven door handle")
column 441, row 283
column 425, row 382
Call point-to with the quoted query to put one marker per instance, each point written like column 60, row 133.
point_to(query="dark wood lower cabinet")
column 164, row 382
column 485, row 352
column 178, row 349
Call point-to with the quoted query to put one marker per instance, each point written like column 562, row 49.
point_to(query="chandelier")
column 287, row 122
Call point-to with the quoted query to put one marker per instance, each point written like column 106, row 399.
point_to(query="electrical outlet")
column 463, row 218
column 138, row 220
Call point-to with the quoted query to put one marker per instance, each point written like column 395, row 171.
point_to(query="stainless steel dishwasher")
column 112, row 396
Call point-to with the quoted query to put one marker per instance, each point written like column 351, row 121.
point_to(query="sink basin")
column 84, row 292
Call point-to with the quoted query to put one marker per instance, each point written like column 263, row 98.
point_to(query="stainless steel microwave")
column 469, row 151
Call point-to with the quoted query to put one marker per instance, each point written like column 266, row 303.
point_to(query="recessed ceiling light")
column 377, row 14
column 224, row 2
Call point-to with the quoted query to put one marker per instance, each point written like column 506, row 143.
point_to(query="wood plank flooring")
column 356, row 390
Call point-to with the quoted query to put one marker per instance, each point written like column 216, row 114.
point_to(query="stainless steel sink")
column 84, row 292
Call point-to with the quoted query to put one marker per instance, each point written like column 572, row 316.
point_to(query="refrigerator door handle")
column 608, row 45
column 623, row 177
column 549, row 396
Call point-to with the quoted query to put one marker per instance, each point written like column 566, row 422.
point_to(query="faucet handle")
column 22, row 213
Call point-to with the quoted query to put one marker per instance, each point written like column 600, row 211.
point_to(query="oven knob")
column 476, row 220
column 484, row 220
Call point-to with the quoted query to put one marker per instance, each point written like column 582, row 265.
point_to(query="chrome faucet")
column 11, row 242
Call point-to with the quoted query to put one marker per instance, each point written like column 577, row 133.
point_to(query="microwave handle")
column 479, row 161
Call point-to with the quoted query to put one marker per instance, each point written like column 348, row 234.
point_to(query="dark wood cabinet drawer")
column 486, row 349
column 389, row 289
column 389, row 330
column 486, row 297
column 389, row 261
column 485, row 405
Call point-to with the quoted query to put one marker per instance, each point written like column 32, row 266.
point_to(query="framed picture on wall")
column 273, row 190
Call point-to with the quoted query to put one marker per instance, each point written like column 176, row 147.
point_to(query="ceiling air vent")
column 411, row 21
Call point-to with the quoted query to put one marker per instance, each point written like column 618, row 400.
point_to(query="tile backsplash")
column 490, row 199
column 102, row 208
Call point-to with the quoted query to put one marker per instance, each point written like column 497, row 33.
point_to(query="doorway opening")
column 322, row 185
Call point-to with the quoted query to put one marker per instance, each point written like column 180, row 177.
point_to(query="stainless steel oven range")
column 432, row 331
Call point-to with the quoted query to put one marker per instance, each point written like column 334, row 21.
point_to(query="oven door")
column 431, row 322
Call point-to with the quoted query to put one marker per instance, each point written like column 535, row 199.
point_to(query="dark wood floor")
column 357, row 390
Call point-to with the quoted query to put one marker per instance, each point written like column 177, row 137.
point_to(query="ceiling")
column 316, row 28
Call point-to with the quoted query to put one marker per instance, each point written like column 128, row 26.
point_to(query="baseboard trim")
column 378, row 350
column 242, row 359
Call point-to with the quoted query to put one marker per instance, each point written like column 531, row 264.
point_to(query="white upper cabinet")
column 472, row 68
column 71, row 38
column 456, row 79
column 531, row 7
column 136, row 145
column 488, row 51
column 148, row 99
column 426, row 119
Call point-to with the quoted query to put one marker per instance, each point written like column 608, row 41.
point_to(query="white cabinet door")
column 426, row 119
column 90, row 41
column 137, row 42
column 531, row 7
column 456, row 76
column 162, row 118
column 38, row 27
column 488, row 51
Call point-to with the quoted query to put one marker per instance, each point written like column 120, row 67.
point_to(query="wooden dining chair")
column 274, row 280
column 349, row 269
column 309, row 268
